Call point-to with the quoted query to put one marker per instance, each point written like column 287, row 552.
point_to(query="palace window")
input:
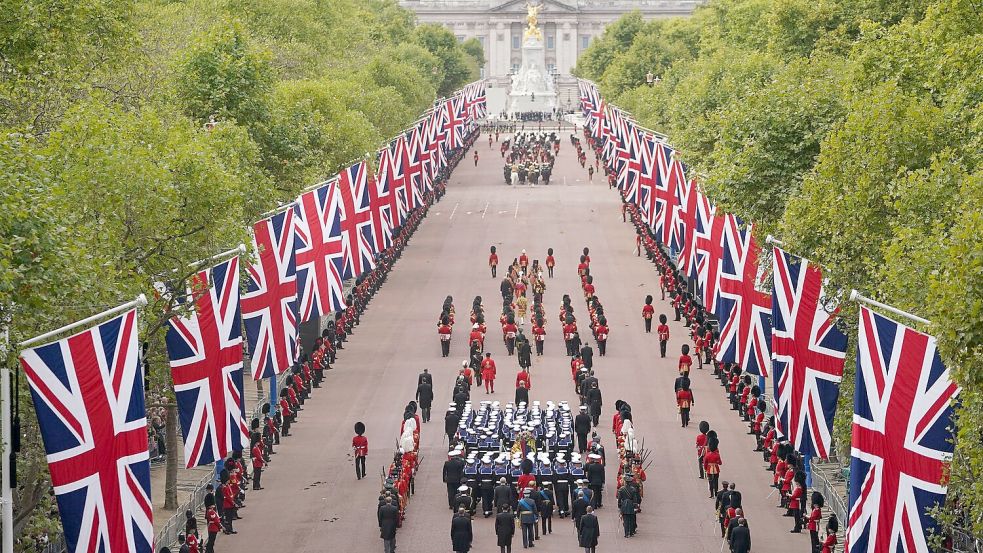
column 549, row 42
column 584, row 42
column 515, row 42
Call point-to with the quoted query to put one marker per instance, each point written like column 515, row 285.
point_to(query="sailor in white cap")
column 464, row 500
column 582, row 426
column 453, row 474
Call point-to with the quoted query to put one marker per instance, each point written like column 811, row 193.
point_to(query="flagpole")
column 240, row 249
column 140, row 301
column 6, row 495
column 855, row 296
column 278, row 209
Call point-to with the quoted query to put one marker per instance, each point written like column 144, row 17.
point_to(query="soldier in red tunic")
column 711, row 464
column 647, row 313
column 684, row 400
column 256, row 455
column 685, row 362
column 360, row 448
column 663, row 332
column 444, row 332
column 488, row 373
column 493, row 262
column 539, row 335
column 814, row 518
column 550, row 262
column 601, row 333
column 701, row 445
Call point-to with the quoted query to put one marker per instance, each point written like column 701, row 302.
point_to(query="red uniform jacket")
column 568, row 330
column 550, row 262
column 476, row 336
column 214, row 522
column 523, row 260
column 647, row 311
column 588, row 290
column 257, row 455
column 445, row 333
column 663, row 331
column 602, row 333
column 361, row 446
column 525, row 480
column 493, row 260
column 814, row 517
column 539, row 333
column 616, row 423
column 685, row 362
column 228, row 496
column 712, row 462
column 285, row 407
column 829, row 544
column 684, row 399
column 701, row 445
column 523, row 376
column 509, row 330
column 488, row 371
column 795, row 499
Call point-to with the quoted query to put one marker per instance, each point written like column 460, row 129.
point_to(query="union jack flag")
column 689, row 198
column 318, row 251
column 205, row 351
column 88, row 396
column 416, row 174
column 631, row 166
column 358, row 233
column 379, row 204
column 588, row 97
column 743, row 311
column 434, row 138
column 454, row 119
column 807, row 352
column 391, row 181
column 669, row 185
column 269, row 306
column 708, row 249
column 475, row 105
column 647, row 177
column 902, row 437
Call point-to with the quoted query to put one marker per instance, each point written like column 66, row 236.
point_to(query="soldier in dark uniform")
column 425, row 376
column 546, row 502
column 453, row 473
column 525, row 352
column 463, row 500
column 595, row 475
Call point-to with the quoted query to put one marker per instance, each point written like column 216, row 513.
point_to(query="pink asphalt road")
column 312, row 501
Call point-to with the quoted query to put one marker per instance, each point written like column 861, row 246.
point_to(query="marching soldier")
column 453, row 473
column 550, row 262
column 539, row 335
column 581, row 427
column 647, row 312
column 711, row 464
column 493, row 262
column 424, row 396
column 444, row 331
column 360, row 447
column 601, row 332
column 684, row 400
column 488, row 373
column 663, row 331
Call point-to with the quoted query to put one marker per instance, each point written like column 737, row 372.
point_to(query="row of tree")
column 853, row 131
column 137, row 136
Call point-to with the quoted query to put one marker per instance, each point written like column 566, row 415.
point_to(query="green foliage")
column 453, row 65
column 853, row 130
column 473, row 48
column 112, row 178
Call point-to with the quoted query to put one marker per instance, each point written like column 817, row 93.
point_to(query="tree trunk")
column 170, row 481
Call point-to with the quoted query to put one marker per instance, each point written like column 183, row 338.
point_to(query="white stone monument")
column 532, row 87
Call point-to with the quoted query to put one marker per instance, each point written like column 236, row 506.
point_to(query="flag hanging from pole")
column 88, row 396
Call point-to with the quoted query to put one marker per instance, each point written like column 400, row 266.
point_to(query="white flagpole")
column 280, row 208
column 6, row 496
column 240, row 249
column 855, row 296
column 140, row 301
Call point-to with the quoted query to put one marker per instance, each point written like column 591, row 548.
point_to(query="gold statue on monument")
column 532, row 30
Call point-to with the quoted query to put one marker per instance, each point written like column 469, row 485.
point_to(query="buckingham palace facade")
column 568, row 26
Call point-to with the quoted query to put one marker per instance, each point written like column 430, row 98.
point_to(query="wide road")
column 312, row 501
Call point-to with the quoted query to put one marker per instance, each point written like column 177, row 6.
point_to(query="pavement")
column 312, row 501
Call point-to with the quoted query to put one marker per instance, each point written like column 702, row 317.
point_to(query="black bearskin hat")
column 360, row 428
column 704, row 427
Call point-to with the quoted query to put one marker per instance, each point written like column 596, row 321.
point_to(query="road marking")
column 453, row 211
column 502, row 212
column 484, row 211
column 516, row 216
column 467, row 213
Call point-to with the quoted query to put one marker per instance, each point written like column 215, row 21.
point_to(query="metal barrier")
column 826, row 477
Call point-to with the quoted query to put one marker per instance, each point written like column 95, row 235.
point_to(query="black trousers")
column 797, row 516
column 549, row 271
column 676, row 309
column 360, row 466
column 629, row 521
column 648, row 325
column 445, row 348
column 451, row 490
column 539, row 348
column 814, row 539
column 662, row 347
column 210, row 544
column 487, row 499
column 596, row 495
column 510, row 345
column 713, row 483
column 547, row 524
column 494, row 269
column 699, row 462
column 582, row 442
column 602, row 347
column 257, row 473
column 425, row 411
column 684, row 416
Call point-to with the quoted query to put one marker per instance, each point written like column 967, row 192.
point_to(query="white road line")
column 516, row 216
column 484, row 211
column 453, row 211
